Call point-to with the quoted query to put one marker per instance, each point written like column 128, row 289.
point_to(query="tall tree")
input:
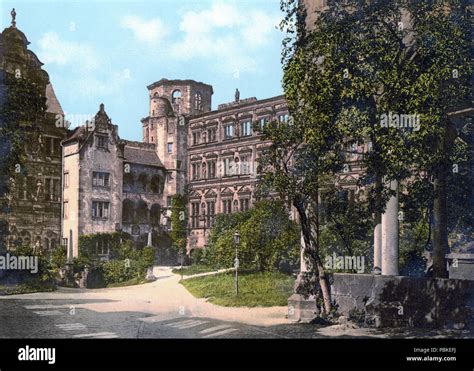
column 179, row 223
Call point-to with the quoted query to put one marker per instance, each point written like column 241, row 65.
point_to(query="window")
column 51, row 190
column 284, row 118
column 101, row 248
column 170, row 147
column 211, row 169
column 176, row 96
column 196, row 171
column 211, row 135
column 228, row 167
column 198, row 101
column 101, row 141
column 65, row 210
column 169, row 201
column 66, row 179
column 52, row 146
column 211, row 212
column 228, row 131
column 100, row 179
column 245, row 164
column 244, row 204
column 100, row 209
column 245, row 128
column 195, row 214
column 263, row 122
column 196, row 138
column 227, row 206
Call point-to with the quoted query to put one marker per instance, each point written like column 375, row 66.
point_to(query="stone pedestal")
column 301, row 309
column 461, row 266
column 150, row 277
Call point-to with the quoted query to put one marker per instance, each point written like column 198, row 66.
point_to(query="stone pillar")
column 390, row 234
column 377, row 245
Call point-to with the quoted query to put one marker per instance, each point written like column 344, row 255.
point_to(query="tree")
column 179, row 223
column 409, row 58
column 306, row 153
column 269, row 239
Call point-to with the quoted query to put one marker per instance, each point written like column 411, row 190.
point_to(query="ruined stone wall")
column 399, row 301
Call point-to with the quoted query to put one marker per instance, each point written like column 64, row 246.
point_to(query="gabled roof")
column 52, row 103
column 142, row 156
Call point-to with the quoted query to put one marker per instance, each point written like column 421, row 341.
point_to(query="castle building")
column 30, row 195
column 222, row 157
column 111, row 184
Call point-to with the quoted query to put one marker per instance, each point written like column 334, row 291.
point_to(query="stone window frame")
column 226, row 204
column 198, row 101
column 244, row 200
column 226, row 125
column 101, row 203
column 99, row 144
column 248, row 125
column 106, row 175
column 213, row 128
column 195, row 169
column 54, row 188
column 66, row 179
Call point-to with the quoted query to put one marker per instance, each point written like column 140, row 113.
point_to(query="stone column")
column 390, row 234
column 378, row 245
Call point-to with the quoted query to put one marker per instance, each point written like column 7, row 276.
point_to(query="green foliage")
column 147, row 257
column 268, row 239
column 117, row 271
column 126, row 261
column 346, row 224
column 255, row 289
column 179, row 222
column 43, row 280
column 58, row 258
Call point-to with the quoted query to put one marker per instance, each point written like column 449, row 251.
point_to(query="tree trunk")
column 312, row 250
column 440, row 207
column 440, row 226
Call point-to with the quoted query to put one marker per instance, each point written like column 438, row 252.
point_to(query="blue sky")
column 109, row 51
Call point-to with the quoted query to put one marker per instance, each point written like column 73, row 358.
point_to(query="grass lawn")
column 194, row 269
column 255, row 289
column 24, row 289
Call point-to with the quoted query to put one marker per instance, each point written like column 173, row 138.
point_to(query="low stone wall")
column 398, row 301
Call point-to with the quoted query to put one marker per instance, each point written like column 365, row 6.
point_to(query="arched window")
column 155, row 214
column 142, row 212
column 176, row 96
column 127, row 211
column 155, row 184
column 143, row 181
column 198, row 101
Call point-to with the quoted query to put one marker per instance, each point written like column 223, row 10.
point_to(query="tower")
column 172, row 102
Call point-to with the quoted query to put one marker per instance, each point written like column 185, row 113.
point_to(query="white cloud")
column 227, row 34
column 61, row 52
column 151, row 31
column 88, row 74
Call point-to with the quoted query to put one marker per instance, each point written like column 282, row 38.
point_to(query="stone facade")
column 223, row 151
column 31, row 196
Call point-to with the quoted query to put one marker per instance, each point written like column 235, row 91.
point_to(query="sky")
column 109, row 51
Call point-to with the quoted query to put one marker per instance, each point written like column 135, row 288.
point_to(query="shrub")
column 116, row 271
column 269, row 239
